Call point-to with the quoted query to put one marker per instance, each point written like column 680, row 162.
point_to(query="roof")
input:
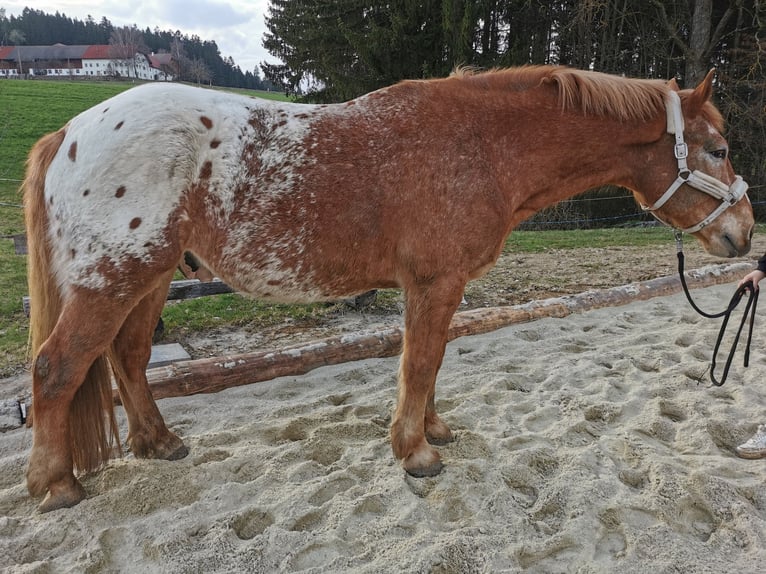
column 96, row 52
column 56, row 52
column 159, row 60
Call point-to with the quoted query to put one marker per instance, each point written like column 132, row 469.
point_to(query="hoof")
column 424, row 472
column 437, row 432
column 169, row 448
column 425, row 463
column 62, row 497
column 441, row 439
column 179, row 453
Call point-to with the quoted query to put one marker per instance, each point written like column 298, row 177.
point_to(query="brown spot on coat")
column 206, row 170
column 118, row 126
column 86, row 193
column 135, row 222
column 215, row 143
column 120, row 191
column 206, row 121
column 73, row 151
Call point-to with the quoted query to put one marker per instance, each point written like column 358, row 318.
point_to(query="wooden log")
column 193, row 288
column 215, row 374
column 218, row 373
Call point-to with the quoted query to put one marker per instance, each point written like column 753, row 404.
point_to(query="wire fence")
column 597, row 211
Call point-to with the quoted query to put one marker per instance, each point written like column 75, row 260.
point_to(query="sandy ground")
column 592, row 443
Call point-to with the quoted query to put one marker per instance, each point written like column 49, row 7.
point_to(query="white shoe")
column 755, row 447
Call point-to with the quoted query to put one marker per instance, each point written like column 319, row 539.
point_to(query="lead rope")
column 752, row 302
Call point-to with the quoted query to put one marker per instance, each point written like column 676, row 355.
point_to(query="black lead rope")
column 752, row 302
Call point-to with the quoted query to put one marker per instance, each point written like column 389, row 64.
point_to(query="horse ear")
column 703, row 92
column 673, row 85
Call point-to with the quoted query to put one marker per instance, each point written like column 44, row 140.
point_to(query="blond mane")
column 593, row 93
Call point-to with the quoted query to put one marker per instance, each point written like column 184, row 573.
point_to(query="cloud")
column 193, row 13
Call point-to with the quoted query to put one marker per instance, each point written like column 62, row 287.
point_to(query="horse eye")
column 719, row 154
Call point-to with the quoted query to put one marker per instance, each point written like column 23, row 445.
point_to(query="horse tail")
column 92, row 424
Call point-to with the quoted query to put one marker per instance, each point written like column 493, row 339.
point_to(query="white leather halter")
column 727, row 194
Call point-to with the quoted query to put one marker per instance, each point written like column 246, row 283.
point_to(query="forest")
column 336, row 50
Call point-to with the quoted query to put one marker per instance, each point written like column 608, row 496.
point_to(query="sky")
column 236, row 26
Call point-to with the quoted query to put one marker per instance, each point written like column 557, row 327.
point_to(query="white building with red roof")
column 91, row 61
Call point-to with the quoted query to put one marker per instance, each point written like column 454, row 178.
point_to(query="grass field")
column 32, row 108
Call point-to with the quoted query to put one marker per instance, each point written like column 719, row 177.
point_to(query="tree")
column 697, row 42
column 125, row 43
column 338, row 50
column 199, row 71
column 178, row 56
column 16, row 37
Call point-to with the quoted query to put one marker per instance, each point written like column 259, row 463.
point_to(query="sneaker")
column 755, row 447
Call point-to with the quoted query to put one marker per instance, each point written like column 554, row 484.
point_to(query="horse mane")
column 593, row 93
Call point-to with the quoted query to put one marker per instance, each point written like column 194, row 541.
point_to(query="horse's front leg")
column 429, row 309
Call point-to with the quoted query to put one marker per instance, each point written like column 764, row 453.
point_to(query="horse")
column 414, row 186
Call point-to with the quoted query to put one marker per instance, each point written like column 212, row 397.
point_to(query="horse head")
column 692, row 158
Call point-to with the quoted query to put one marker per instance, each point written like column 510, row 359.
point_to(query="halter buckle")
column 679, row 235
column 681, row 150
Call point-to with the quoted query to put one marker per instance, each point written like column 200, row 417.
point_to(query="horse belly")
column 301, row 266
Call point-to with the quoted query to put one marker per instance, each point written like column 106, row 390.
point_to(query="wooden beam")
column 217, row 373
column 214, row 374
column 193, row 288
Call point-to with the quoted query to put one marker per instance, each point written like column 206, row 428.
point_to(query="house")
column 97, row 60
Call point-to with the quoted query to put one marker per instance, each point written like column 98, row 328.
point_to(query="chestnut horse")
column 415, row 186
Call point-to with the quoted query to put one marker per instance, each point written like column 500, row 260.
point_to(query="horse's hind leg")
column 429, row 309
column 86, row 326
column 148, row 437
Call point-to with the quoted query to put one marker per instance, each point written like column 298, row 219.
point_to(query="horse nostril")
column 734, row 247
column 730, row 245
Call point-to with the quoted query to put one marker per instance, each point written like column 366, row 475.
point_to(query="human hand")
column 754, row 276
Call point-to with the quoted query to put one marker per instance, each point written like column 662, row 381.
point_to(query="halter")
column 727, row 194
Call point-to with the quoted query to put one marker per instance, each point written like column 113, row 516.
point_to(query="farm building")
column 61, row 61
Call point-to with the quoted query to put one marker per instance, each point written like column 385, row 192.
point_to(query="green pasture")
column 32, row 108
